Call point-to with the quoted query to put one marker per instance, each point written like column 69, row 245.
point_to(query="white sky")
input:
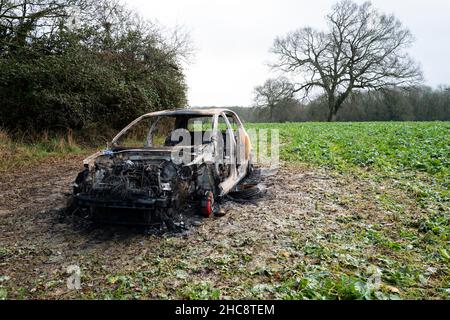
column 232, row 39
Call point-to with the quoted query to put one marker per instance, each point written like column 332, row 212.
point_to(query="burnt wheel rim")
column 207, row 204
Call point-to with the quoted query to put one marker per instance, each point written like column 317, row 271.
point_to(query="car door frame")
column 236, row 175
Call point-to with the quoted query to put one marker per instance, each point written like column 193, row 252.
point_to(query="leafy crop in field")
column 415, row 155
column 399, row 147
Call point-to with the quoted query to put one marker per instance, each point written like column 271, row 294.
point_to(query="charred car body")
column 161, row 162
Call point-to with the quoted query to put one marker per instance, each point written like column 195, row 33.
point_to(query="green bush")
column 100, row 75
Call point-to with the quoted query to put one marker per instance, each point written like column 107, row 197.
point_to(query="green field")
column 387, row 147
column 417, row 154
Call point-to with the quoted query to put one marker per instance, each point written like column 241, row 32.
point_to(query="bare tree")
column 101, row 25
column 116, row 24
column 23, row 21
column 272, row 93
column 362, row 49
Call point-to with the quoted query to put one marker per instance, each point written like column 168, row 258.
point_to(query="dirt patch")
column 38, row 186
column 251, row 252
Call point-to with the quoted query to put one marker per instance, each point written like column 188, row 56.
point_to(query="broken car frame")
column 201, row 156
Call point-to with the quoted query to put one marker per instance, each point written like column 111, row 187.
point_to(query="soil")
column 37, row 244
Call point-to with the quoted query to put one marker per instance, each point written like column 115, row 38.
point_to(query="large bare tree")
column 363, row 49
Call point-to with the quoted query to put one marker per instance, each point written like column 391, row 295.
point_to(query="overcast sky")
column 232, row 39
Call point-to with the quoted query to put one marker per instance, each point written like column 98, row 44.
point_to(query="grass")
column 19, row 152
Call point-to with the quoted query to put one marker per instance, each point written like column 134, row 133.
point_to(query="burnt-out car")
column 161, row 162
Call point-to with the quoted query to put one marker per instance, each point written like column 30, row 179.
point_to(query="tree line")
column 83, row 64
column 405, row 104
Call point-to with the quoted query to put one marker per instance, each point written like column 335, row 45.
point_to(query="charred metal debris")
column 158, row 171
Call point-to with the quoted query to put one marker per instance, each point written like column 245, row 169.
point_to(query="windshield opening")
column 167, row 131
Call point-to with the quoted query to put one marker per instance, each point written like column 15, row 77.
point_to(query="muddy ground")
column 310, row 222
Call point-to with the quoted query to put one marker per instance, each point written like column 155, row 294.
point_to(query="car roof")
column 201, row 112
column 190, row 112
